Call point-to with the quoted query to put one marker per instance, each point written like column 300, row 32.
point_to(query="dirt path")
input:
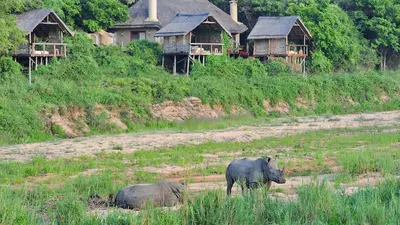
column 133, row 142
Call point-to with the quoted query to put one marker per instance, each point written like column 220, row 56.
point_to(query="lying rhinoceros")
column 252, row 173
column 163, row 193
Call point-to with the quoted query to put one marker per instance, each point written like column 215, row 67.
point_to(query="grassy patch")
column 56, row 190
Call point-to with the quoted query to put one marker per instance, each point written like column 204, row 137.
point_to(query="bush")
column 277, row 67
column 10, row 71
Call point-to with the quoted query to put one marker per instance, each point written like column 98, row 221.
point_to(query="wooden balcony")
column 297, row 50
column 49, row 49
column 43, row 50
column 206, row 49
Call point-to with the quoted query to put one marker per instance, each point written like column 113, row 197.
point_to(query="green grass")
column 316, row 203
column 341, row 144
column 55, row 191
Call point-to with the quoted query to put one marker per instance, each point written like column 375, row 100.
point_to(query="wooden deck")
column 194, row 49
column 206, row 49
column 297, row 50
column 291, row 51
column 43, row 50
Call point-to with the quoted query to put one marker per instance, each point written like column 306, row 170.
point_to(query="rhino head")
column 177, row 189
column 272, row 173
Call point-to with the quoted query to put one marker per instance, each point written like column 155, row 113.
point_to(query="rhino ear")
column 268, row 159
column 182, row 182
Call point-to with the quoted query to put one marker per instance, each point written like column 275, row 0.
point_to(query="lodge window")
column 138, row 35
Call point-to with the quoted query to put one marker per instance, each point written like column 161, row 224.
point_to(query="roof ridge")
column 192, row 14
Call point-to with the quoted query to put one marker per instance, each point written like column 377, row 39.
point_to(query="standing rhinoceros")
column 163, row 193
column 252, row 173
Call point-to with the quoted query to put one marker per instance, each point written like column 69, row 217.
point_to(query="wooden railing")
column 49, row 49
column 176, row 48
column 206, row 49
column 297, row 50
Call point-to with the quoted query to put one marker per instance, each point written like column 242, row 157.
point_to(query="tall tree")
column 90, row 15
column 335, row 38
column 11, row 37
column 379, row 21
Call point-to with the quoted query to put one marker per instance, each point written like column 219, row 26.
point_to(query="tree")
column 379, row 21
column 11, row 37
column 334, row 33
column 90, row 15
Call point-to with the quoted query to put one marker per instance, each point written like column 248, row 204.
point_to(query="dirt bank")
column 128, row 143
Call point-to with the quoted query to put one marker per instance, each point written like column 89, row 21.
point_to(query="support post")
column 188, row 66
column 30, row 70
column 174, row 69
column 36, row 62
column 163, row 61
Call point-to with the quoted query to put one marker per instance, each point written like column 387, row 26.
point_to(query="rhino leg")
column 244, row 189
column 229, row 185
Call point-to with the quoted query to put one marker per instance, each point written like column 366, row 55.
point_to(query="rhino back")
column 244, row 168
column 135, row 196
column 163, row 193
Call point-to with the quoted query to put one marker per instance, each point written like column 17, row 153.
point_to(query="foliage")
column 378, row 21
column 10, row 36
column 277, row 67
column 90, row 15
column 147, row 51
column 129, row 78
column 10, row 71
column 334, row 35
column 337, row 44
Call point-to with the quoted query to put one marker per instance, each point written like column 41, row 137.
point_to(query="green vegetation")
column 347, row 34
column 128, row 79
column 56, row 190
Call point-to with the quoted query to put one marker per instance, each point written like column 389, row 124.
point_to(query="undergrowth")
column 129, row 78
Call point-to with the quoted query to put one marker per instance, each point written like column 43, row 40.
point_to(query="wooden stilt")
column 47, row 61
column 188, row 66
column 41, row 61
column 163, row 61
column 204, row 60
column 30, row 71
column 174, row 70
column 36, row 62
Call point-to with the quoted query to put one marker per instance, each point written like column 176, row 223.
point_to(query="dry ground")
column 129, row 143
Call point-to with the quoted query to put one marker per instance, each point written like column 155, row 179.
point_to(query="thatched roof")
column 28, row 21
column 276, row 27
column 182, row 24
column 168, row 9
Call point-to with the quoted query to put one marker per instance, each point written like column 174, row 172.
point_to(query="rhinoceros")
column 163, row 193
column 252, row 173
